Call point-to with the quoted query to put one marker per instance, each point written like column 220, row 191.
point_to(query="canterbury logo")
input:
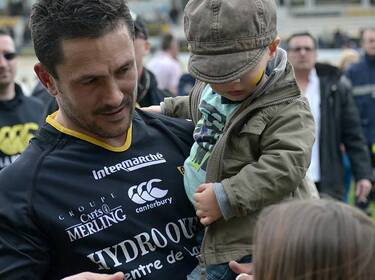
column 15, row 139
column 146, row 192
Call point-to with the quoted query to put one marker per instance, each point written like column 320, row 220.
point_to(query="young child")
column 254, row 130
column 313, row 240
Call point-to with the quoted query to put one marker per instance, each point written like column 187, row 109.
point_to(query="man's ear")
column 272, row 48
column 46, row 79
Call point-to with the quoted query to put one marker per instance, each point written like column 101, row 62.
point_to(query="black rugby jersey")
column 69, row 204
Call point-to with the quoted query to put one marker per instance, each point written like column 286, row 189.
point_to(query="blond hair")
column 314, row 240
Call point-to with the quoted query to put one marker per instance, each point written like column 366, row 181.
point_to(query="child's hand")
column 152, row 109
column 206, row 204
column 245, row 270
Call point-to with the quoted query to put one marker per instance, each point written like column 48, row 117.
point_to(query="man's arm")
column 176, row 107
column 24, row 252
column 171, row 106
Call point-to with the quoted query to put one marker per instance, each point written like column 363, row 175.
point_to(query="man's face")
column 302, row 53
column 96, row 84
column 8, row 62
column 368, row 43
column 240, row 89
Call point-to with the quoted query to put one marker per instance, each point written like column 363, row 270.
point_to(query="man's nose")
column 114, row 94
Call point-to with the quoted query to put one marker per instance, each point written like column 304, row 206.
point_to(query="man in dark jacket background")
column 148, row 92
column 20, row 115
column 336, row 119
column 362, row 76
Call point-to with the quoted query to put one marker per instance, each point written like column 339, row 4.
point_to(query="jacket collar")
column 326, row 70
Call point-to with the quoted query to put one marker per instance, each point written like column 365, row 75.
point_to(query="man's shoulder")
column 358, row 67
column 181, row 128
column 22, row 170
column 172, row 123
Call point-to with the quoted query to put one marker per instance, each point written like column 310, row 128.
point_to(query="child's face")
column 243, row 87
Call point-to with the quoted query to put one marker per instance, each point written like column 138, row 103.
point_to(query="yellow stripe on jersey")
column 51, row 119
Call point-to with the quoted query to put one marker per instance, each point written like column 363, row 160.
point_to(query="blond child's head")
column 314, row 240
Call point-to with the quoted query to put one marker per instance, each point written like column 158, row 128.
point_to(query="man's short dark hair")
column 300, row 34
column 140, row 28
column 166, row 41
column 53, row 21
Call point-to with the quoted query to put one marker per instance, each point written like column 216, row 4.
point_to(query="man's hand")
column 96, row 276
column 206, row 204
column 363, row 188
column 152, row 109
column 243, row 269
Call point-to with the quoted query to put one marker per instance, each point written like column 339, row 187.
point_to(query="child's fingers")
column 206, row 221
column 244, row 276
column 152, row 109
column 240, row 267
column 199, row 213
column 201, row 188
column 197, row 197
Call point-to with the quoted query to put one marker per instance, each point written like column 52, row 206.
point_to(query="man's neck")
column 66, row 123
column 302, row 78
column 7, row 92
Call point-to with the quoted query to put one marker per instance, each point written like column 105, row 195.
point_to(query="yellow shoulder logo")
column 181, row 169
column 14, row 139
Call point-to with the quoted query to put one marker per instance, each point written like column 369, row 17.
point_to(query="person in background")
column 336, row 118
column 49, row 102
column 20, row 116
column 185, row 84
column 348, row 57
column 165, row 64
column 41, row 93
column 148, row 91
column 312, row 240
column 362, row 77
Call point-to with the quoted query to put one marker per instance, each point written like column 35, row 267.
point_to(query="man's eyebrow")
column 86, row 77
column 127, row 63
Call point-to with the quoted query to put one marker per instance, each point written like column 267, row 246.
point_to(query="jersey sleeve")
column 180, row 129
column 24, row 249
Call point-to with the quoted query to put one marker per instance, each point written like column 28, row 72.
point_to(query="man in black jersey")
column 100, row 187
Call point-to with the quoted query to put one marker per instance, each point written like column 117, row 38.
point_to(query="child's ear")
column 273, row 46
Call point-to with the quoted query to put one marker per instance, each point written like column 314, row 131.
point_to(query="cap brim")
column 223, row 68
